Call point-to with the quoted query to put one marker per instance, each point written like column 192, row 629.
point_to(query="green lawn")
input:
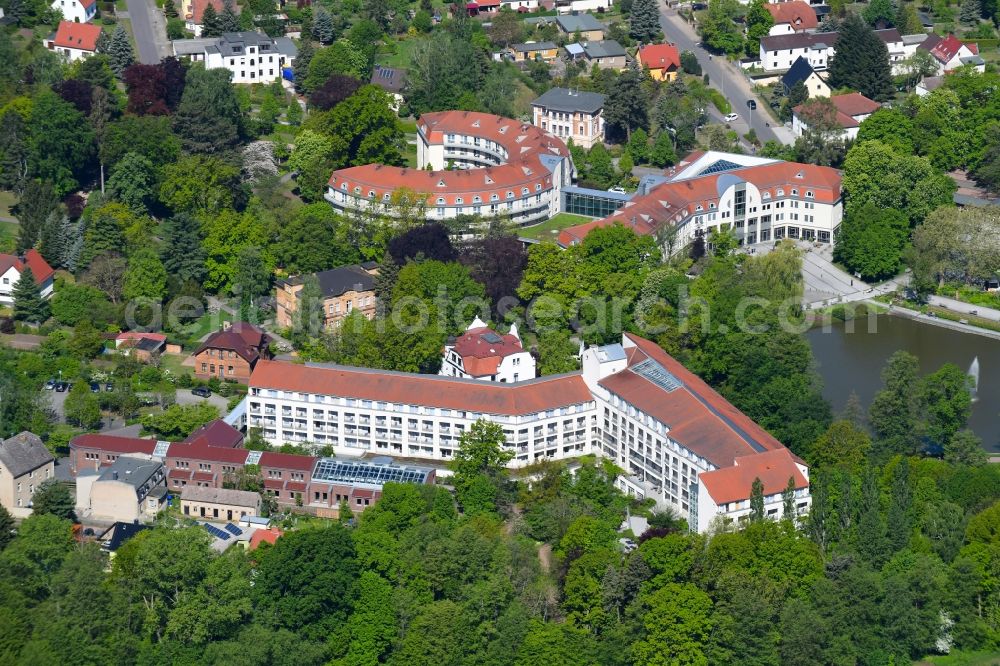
column 8, row 236
column 410, row 151
column 401, row 56
column 552, row 228
column 206, row 323
column 7, row 200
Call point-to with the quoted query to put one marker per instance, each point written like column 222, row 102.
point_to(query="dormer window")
column 489, row 181
column 524, row 191
column 477, row 199
column 440, row 201
column 441, row 183
column 765, row 195
column 795, row 193
column 475, row 124
column 494, row 197
column 699, row 208
column 459, row 200
column 781, row 192
column 371, row 194
column 510, row 195
column 343, row 186
column 711, row 206
column 538, row 187
column 385, row 197
column 357, row 190
column 809, row 194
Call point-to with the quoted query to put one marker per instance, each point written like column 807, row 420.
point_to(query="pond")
column 853, row 361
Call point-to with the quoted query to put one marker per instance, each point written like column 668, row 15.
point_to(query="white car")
column 731, row 117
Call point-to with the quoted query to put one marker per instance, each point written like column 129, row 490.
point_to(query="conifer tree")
column 300, row 69
column 970, row 13
column 28, row 302
column 385, row 282
column 14, row 152
column 899, row 518
column 788, row 500
column 182, row 253
column 228, row 20
column 210, row 25
column 644, row 21
column 870, row 538
column 322, row 24
column 120, row 51
column 6, row 527
column 51, row 242
column 39, row 199
column 861, row 61
column 757, row 500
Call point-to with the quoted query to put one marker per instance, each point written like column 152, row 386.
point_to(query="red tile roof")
column 275, row 460
column 846, row 109
column 660, row 56
column 481, row 357
column 241, row 337
column 216, row 433
column 269, row 535
column 112, row 444
column 39, row 267
column 87, row 4
column 82, row 36
column 773, row 468
column 410, row 389
column 673, row 201
column 798, row 14
column 524, row 144
column 198, row 9
column 135, row 335
column 948, row 47
column 698, row 417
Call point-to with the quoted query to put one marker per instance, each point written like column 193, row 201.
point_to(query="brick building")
column 231, row 353
column 345, row 289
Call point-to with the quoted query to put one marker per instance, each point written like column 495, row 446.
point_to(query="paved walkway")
column 149, row 29
column 965, row 308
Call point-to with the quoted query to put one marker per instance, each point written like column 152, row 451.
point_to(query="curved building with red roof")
column 480, row 164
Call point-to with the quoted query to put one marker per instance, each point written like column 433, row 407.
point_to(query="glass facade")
column 591, row 204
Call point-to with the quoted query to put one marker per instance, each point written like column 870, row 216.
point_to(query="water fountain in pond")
column 974, row 376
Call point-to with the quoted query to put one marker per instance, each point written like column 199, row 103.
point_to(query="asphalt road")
column 726, row 78
column 149, row 30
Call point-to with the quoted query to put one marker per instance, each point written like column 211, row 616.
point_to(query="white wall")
column 72, row 10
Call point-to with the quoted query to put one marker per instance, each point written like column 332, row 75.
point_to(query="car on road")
column 61, row 387
column 95, row 387
column 49, row 385
column 201, row 392
column 731, row 117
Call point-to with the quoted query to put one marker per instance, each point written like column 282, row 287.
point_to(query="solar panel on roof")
column 253, row 458
column 232, row 529
column 330, row 470
column 161, row 449
column 216, row 532
column 657, row 374
column 719, row 167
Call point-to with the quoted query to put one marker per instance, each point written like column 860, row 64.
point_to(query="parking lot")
column 184, row 397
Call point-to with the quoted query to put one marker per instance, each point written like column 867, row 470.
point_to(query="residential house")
column 24, row 464
column 344, row 290
column 482, row 353
column 929, row 84
column 222, row 504
column 779, row 52
column 11, row 267
column 791, row 17
column 140, row 345
column 662, row 60
column 578, row 6
column 607, row 54
column 251, row 57
column 74, row 41
column 392, row 80
column 533, row 51
column 586, row 26
column 268, row 535
column 132, row 488
column 846, row 111
column 951, row 53
column 117, row 535
column 231, row 353
column 477, row 7
column 519, row 5
column 571, row 114
column 802, row 71
column 76, row 11
column 195, row 10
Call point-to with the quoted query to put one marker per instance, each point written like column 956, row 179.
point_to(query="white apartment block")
column 679, row 441
column 251, row 57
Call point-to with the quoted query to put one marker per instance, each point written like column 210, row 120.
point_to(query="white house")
column 950, row 53
column 74, row 41
column 482, row 353
column 847, row 111
column 195, row 11
column 791, row 17
column 77, row 11
column 779, row 52
column 575, row 6
column 11, row 268
column 251, row 57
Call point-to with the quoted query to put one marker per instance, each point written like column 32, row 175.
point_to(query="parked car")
column 201, row 391
column 49, row 385
column 95, row 387
column 109, row 387
column 61, row 387
column 730, row 117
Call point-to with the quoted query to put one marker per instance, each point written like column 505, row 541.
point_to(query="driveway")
column 149, row 29
column 725, row 77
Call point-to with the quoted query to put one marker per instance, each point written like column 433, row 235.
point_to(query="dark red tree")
column 497, row 263
column 429, row 240
column 334, row 90
column 174, row 74
column 147, row 90
column 78, row 93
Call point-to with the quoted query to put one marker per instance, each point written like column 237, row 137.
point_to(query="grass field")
column 8, row 236
column 7, row 200
column 401, row 57
column 549, row 230
column 206, row 323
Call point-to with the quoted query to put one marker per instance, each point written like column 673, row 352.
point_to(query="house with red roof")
column 951, row 53
column 74, row 41
column 231, row 353
column 844, row 111
column 195, row 10
column 12, row 266
column 482, row 353
column 140, row 345
column 663, row 61
column 791, row 17
column 264, row 535
column 76, row 11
